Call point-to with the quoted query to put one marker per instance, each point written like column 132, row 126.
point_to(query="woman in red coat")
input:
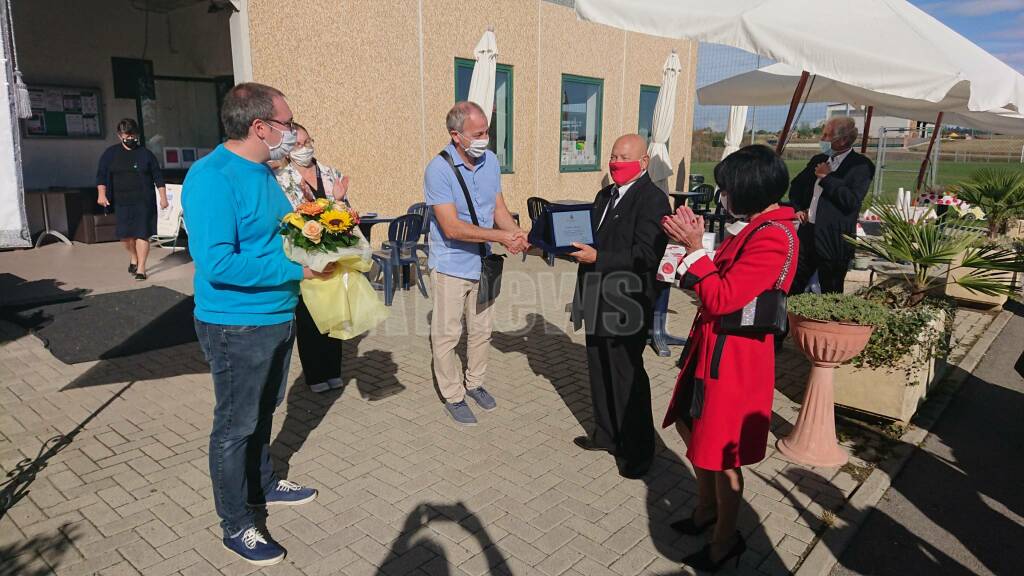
column 722, row 403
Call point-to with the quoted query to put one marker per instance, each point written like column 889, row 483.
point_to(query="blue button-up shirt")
column 440, row 186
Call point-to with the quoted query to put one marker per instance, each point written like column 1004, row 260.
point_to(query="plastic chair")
column 399, row 252
column 717, row 220
column 534, row 208
column 702, row 204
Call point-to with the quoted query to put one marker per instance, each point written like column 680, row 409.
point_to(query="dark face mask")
column 131, row 142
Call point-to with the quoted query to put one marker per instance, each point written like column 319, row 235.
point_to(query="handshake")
column 515, row 242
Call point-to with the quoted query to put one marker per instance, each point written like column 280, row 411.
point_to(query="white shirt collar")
column 838, row 158
column 625, row 187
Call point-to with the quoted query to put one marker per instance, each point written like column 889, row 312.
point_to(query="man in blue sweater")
column 245, row 293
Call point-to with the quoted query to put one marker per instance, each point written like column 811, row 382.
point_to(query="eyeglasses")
column 290, row 125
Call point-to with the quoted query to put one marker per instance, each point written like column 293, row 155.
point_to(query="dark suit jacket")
column 842, row 193
column 615, row 295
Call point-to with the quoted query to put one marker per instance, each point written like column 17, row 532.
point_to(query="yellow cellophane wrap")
column 344, row 305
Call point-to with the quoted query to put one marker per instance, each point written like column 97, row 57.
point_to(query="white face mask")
column 282, row 148
column 302, row 156
column 476, row 148
column 724, row 201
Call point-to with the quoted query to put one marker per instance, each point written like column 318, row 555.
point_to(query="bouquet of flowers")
column 316, row 234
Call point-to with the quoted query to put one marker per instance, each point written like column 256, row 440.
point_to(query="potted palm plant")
column 829, row 329
column 1000, row 195
column 894, row 371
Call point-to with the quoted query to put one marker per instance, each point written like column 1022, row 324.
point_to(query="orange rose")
column 309, row 208
column 313, row 230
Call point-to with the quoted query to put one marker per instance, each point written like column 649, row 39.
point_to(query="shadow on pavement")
column 416, row 547
column 24, row 558
column 964, row 481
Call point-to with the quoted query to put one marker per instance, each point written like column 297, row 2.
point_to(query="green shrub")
column 838, row 308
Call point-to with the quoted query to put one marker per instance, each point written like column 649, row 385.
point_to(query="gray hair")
column 245, row 103
column 844, row 131
column 457, row 115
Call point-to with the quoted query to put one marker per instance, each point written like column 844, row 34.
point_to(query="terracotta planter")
column 827, row 345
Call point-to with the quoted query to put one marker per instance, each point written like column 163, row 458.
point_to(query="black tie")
column 611, row 206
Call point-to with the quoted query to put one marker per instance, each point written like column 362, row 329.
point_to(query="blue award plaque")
column 560, row 225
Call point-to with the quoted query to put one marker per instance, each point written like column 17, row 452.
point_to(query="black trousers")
column 831, row 271
column 319, row 354
column 621, row 393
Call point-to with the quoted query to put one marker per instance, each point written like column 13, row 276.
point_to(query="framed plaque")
column 559, row 225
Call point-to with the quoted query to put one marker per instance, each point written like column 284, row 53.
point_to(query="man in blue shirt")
column 245, row 293
column 455, row 256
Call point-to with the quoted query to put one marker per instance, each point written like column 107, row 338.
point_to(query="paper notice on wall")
column 38, row 99
column 36, row 124
column 75, row 124
column 91, row 125
column 54, row 101
column 89, row 104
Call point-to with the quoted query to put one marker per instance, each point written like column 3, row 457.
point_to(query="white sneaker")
column 335, row 383
column 320, row 387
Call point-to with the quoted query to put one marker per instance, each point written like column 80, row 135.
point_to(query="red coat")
column 738, row 371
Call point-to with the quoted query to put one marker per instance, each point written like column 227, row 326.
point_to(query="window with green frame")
column 648, row 98
column 501, row 116
column 580, row 124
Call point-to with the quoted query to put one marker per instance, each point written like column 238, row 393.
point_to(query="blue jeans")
column 249, row 366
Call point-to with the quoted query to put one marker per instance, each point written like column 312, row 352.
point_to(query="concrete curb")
column 825, row 551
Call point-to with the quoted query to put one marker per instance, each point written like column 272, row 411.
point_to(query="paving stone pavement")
column 114, row 469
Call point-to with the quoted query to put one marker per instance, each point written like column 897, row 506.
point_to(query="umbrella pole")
column 867, row 129
column 928, row 155
column 797, row 94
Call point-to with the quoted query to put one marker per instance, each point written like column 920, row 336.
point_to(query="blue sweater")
column 233, row 209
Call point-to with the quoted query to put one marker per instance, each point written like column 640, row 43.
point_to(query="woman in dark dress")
column 304, row 179
column 129, row 172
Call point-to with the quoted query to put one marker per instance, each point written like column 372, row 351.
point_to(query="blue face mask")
column 826, row 147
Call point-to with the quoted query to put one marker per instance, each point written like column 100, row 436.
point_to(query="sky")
column 995, row 25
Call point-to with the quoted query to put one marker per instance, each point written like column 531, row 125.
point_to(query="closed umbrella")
column 481, row 85
column 660, row 167
column 734, row 133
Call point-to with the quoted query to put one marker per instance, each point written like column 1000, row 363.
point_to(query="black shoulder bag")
column 765, row 314
column 491, row 265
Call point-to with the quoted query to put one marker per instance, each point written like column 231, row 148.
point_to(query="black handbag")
column 765, row 314
column 491, row 265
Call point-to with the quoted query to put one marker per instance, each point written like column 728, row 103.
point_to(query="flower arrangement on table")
column 317, row 234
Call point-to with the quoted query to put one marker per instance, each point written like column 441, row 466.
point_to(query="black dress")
column 131, row 177
column 319, row 354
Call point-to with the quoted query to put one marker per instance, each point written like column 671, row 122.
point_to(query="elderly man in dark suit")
column 827, row 195
column 614, row 299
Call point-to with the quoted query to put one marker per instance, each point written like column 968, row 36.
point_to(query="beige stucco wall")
column 353, row 77
column 70, row 42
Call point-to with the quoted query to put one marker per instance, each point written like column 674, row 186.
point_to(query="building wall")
column 70, row 42
column 354, row 78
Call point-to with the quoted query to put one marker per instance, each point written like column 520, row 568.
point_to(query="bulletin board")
column 64, row 112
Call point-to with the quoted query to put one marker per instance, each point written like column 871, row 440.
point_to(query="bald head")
column 629, row 148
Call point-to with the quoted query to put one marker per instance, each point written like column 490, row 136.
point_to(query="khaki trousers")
column 455, row 299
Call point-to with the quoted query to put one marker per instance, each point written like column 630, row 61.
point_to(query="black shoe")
column 132, row 268
column 690, row 527
column 702, row 562
column 140, row 276
column 586, row 443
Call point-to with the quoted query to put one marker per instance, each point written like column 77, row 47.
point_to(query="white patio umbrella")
column 481, row 85
column 890, row 46
column 775, row 85
column 734, row 132
column 660, row 167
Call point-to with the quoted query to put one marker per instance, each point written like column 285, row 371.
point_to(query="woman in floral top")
column 303, row 179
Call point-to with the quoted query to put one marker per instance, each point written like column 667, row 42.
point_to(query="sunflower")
column 337, row 220
column 294, row 219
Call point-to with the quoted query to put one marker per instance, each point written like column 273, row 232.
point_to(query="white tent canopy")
column 775, row 84
column 481, row 85
column 660, row 167
column 889, row 46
